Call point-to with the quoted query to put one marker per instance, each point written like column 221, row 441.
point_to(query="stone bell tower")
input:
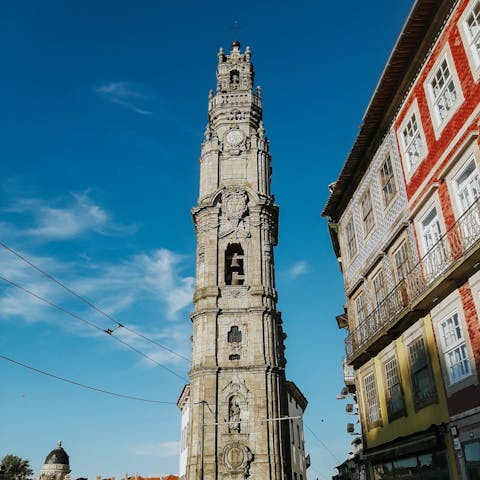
column 238, row 393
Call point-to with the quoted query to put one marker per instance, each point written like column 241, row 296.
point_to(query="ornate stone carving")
column 234, row 210
column 207, row 225
column 236, row 292
column 237, row 458
column 201, row 254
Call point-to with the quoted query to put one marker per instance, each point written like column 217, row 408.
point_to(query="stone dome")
column 57, row 456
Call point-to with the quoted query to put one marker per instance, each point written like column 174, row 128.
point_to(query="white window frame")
column 471, row 40
column 410, row 167
column 432, row 231
column 433, row 97
column 445, row 309
column 471, row 187
column 455, row 348
column 429, row 235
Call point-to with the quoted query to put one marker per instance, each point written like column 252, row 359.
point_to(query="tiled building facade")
column 411, row 276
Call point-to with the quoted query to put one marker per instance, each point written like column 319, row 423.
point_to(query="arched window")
column 234, row 272
column 235, row 77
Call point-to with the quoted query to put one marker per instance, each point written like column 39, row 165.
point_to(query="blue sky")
column 104, row 104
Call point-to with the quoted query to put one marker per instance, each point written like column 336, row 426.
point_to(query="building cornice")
column 423, row 25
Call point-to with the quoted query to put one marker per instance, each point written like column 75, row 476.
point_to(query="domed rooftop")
column 58, row 456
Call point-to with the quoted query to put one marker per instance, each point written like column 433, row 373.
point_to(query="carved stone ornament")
column 237, row 458
column 234, row 209
column 207, row 225
column 237, row 292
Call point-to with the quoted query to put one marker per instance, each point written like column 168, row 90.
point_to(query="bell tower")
column 237, row 399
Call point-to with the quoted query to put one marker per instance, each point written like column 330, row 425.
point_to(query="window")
column 387, row 181
column 373, row 407
column 395, row 405
column 235, row 77
column 412, row 143
column 471, row 27
column 367, row 212
column 351, row 239
column 454, row 348
column 234, row 356
column 361, row 315
column 293, row 432
column 423, row 388
column 434, row 262
column 443, row 92
column 472, row 458
column 360, row 308
column 419, row 466
column 402, row 262
column 298, row 436
column 234, row 335
column 467, row 186
column 379, row 290
column 431, row 231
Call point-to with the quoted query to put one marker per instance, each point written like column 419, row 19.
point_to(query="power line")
column 322, row 443
column 88, row 302
column 91, row 324
column 73, row 382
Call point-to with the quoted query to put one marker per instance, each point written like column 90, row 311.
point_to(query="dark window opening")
column 234, row 335
column 235, row 77
column 234, row 272
column 234, row 356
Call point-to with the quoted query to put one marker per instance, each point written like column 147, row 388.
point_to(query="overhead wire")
column 322, row 443
column 91, row 324
column 78, row 384
column 89, row 303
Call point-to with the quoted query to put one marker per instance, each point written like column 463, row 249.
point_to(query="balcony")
column 446, row 266
column 348, row 373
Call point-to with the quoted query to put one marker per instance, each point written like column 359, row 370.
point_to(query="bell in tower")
column 239, row 409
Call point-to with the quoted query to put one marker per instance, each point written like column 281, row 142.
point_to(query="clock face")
column 234, row 137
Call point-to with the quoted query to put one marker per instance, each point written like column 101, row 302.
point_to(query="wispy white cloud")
column 156, row 449
column 142, row 292
column 298, row 269
column 146, row 291
column 62, row 220
column 125, row 94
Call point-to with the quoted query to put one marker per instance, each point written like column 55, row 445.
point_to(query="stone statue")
column 234, row 416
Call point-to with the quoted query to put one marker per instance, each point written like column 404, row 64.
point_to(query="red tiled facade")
column 430, row 182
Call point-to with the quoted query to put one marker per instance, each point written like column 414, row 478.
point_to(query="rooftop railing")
column 449, row 251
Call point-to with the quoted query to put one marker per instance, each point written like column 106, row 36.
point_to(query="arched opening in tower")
column 235, row 77
column 234, row 270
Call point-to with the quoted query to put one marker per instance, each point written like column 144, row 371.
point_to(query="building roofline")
column 184, row 396
column 423, row 24
column 297, row 394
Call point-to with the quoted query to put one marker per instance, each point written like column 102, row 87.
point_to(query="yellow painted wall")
column 435, row 413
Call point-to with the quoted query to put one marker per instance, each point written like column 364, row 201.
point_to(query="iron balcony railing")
column 448, row 250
